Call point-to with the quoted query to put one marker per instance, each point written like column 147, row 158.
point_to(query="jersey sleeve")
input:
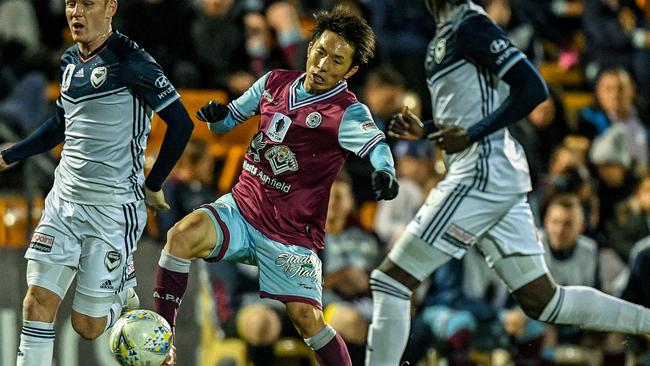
column 147, row 79
column 358, row 132
column 247, row 105
column 488, row 45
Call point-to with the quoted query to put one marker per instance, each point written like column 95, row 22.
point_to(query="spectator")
column 618, row 36
column 632, row 221
column 350, row 253
column 615, row 105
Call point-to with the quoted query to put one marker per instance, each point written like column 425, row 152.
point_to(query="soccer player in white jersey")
column 95, row 212
column 479, row 83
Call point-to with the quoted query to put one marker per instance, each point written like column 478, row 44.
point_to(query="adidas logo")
column 79, row 74
column 107, row 285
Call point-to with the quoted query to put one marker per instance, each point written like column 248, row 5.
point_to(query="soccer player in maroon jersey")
column 274, row 217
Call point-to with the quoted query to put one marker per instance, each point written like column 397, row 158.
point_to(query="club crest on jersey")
column 278, row 127
column 498, row 45
column 281, row 159
column 67, row 76
column 98, row 76
column 439, row 50
column 112, row 260
column 314, row 119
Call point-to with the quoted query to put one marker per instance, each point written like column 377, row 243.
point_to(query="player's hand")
column 452, row 138
column 384, row 185
column 3, row 163
column 212, row 112
column 406, row 126
column 170, row 360
column 155, row 200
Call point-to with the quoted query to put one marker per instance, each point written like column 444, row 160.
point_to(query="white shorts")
column 454, row 219
column 97, row 241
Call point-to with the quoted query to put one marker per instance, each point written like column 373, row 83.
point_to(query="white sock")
column 115, row 310
column 36, row 344
column 591, row 309
column 391, row 320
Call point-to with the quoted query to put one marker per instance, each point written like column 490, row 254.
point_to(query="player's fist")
column 406, row 125
column 384, row 185
column 155, row 199
column 212, row 112
column 451, row 138
column 3, row 164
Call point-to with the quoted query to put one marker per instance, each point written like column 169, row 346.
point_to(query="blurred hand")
column 452, row 138
column 514, row 322
column 627, row 19
column 155, row 200
column 384, row 185
column 3, row 163
column 212, row 112
column 406, row 126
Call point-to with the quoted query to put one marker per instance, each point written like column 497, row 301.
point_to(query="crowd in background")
column 589, row 167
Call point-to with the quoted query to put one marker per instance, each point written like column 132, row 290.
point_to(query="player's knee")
column 258, row 325
column 307, row 319
column 40, row 304
column 88, row 328
column 184, row 238
column 348, row 322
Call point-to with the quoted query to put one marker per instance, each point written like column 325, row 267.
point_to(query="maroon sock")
column 167, row 295
column 335, row 353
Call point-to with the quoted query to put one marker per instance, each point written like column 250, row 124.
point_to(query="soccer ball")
column 141, row 338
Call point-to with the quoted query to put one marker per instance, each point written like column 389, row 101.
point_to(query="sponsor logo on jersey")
column 305, row 266
column 161, row 82
column 42, row 242
column 257, row 144
column 67, row 77
column 281, row 159
column 98, row 76
column 368, row 126
column 265, row 178
column 107, row 285
column 167, row 297
column 79, row 74
column 112, row 260
column 459, row 237
column 314, row 119
column 440, row 50
column 277, row 129
column 130, row 272
column 267, row 95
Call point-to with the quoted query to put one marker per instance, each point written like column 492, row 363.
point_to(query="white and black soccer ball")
column 141, row 338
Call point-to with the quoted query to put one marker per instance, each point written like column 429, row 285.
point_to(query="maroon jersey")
column 293, row 159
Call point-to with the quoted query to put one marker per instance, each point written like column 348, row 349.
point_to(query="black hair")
column 354, row 29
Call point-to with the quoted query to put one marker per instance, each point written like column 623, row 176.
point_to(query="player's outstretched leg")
column 408, row 263
column 581, row 306
column 48, row 284
column 329, row 346
column 191, row 238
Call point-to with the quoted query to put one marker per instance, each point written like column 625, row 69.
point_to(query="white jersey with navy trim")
column 464, row 66
column 109, row 97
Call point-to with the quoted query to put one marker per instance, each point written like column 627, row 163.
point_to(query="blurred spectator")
column 615, row 105
column 572, row 259
column 468, row 306
column 241, row 313
column 219, row 38
column 520, row 31
column 404, row 29
column 350, row 253
column 632, row 222
column 618, row 35
column 18, row 23
column 383, row 93
column 612, row 159
column 541, row 133
column 160, row 34
column 189, row 186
